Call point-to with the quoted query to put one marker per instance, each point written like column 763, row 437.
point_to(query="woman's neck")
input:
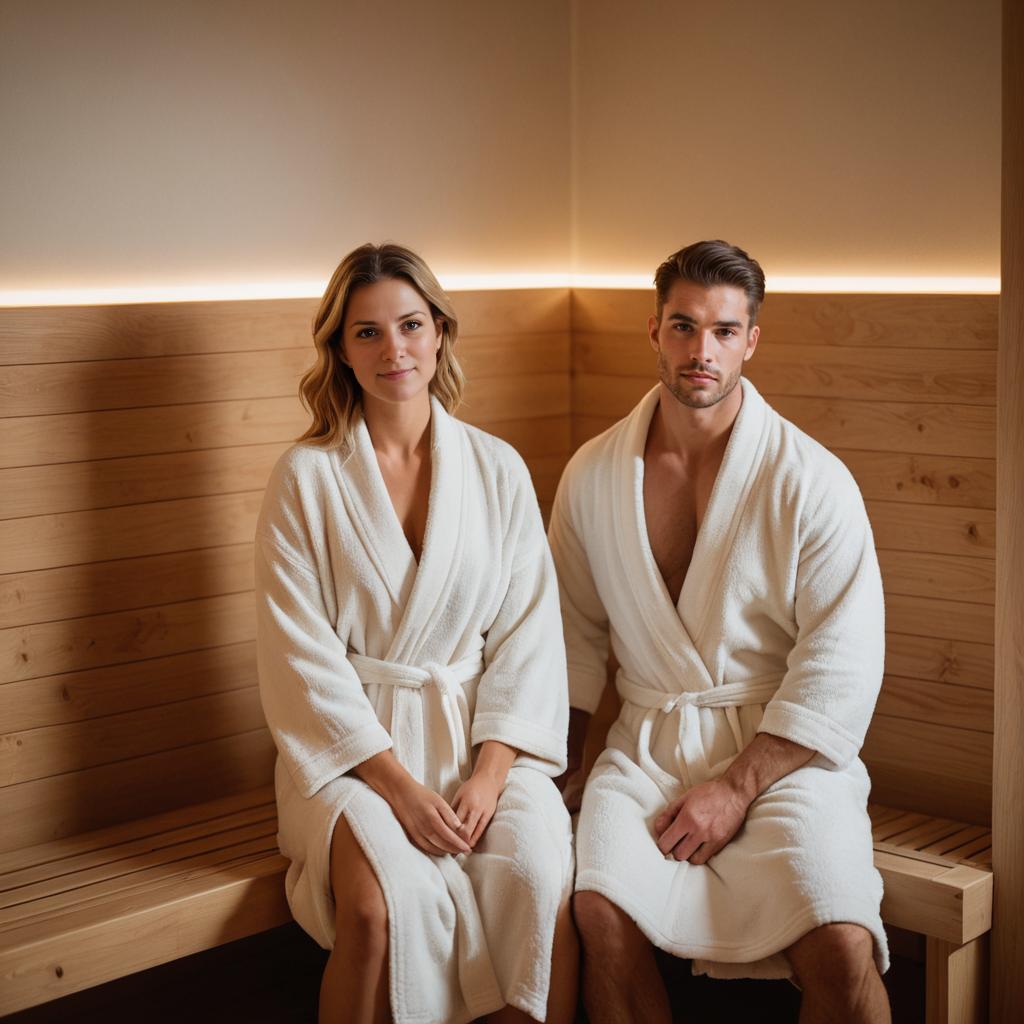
column 398, row 430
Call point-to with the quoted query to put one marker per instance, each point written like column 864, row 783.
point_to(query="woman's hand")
column 428, row 821
column 477, row 797
column 474, row 804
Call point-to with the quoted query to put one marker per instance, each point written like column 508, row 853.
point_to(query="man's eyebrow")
column 683, row 317
column 728, row 323
column 687, row 319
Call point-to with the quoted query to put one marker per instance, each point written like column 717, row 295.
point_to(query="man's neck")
column 692, row 434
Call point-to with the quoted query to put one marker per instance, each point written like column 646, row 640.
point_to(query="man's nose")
column 701, row 348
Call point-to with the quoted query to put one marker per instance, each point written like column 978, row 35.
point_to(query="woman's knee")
column 360, row 907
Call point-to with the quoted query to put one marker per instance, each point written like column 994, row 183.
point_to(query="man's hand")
column 696, row 825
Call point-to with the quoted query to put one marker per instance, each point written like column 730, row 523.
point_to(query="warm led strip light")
column 479, row 282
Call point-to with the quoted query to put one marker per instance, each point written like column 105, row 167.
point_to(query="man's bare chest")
column 674, row 504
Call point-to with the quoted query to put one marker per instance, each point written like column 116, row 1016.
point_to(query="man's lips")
column 700, row 377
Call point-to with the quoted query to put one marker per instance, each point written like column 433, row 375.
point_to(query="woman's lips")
column 397, row 374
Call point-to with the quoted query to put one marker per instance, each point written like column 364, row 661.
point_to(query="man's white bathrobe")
column 361, row 650
column 779, row 629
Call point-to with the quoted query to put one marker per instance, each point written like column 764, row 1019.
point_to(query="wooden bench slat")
column 958, row 838
column 38, row 963
column 112, row 856
column 919, row 836
column 972, row 848
column 904, row 821
column 64, row 889
column 140, row 828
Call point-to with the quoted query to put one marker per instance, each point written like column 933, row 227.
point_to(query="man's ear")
column 755, row 333
column 653, row 324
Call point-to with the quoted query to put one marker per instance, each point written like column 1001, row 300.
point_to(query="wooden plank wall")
column 902, row 388
column 136, row 443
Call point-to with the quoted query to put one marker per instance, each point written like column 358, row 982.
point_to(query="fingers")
column 667, row 816
column 483, row 820
column 687, row 846
column 674, row 832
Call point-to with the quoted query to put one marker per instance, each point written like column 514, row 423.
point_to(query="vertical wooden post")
column 1007, row 977
column 956, row 982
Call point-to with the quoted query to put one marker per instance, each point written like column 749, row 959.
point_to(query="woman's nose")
column 394, row 346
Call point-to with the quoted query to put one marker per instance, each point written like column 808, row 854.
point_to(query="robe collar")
column 418, row 591
column 677, row 628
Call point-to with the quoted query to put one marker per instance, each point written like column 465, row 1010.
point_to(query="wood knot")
column 972, row 531
column 59, row 971
column 954, row 481
column 65, row 693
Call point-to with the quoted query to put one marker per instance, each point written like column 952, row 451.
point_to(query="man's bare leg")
column 621, row 981
column 835, row 967
column 355, row 982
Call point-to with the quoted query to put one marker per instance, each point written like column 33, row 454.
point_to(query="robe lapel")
column 743, row 456
column 683, row 665
column 372, row 514
column 439, row 558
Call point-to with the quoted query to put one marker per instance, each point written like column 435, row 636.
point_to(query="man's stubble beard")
column 697, row 400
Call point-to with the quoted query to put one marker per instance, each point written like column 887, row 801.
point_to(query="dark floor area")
column 273, row 979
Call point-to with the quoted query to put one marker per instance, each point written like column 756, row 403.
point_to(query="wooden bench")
column 85, row 910
column 938, row 882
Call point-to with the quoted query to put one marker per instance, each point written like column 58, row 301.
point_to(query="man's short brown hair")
column 710, row 263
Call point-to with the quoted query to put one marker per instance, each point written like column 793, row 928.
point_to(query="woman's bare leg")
column 355, row 982
column 565, row 976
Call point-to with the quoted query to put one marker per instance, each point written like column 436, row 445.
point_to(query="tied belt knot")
column 448, row 680
column 690, row 753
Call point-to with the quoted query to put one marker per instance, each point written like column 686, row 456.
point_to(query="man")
column 729, row 559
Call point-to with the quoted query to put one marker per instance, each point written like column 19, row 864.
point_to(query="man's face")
column 702, row 339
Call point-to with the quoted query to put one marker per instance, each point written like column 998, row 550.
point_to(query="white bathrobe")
column 779, row 629
column 361, row 650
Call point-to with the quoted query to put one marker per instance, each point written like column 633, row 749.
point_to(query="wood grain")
column 68, row 645
column 931, row 529
column 71, row 538
column 46, row 809
column 942, row 620
column 954, row 481
column 940, row 659
column 82, row 437
column 42, row 490
column 934, row 769
column 70, row 747
column 113, row 689
column 938, row 703
column 923, row 574
column 93, row 588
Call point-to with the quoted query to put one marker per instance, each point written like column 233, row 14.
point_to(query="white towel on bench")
column 361, row 650
column 778, row 628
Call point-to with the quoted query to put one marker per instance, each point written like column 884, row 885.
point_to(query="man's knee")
column 602, row 925
column 834, row 956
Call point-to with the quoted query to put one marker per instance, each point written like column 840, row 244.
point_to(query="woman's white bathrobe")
column 361, row 650
column 779, row 629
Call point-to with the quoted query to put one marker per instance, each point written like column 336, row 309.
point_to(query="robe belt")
column 690, row 747
column 448, row 680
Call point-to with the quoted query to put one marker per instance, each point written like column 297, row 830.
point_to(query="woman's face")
column 390, row 341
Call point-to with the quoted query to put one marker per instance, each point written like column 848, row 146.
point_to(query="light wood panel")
column 941, row 659
column 70, row 538
column 43, row 490
column 960, row 707
column 923, row 574
column 93, row 588
column 934, row 769
column 62, row 805
column 949, row 480
column 925, row 616
column 931, row 529
column 1008, row 795
column 877, row 321
column 79, row 437
column 112, row 689
column 48, row 648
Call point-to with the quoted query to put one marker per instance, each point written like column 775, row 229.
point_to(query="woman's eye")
column 412, row 325
column 366, row 332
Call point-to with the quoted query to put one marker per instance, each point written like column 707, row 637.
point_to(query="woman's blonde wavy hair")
column 329, row 389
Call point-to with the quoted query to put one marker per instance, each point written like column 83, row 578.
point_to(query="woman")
column 412, row 672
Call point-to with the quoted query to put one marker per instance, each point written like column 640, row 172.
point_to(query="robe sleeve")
column 522, row 698
column 834, row 671
column 318, row 713
column 584, row 619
